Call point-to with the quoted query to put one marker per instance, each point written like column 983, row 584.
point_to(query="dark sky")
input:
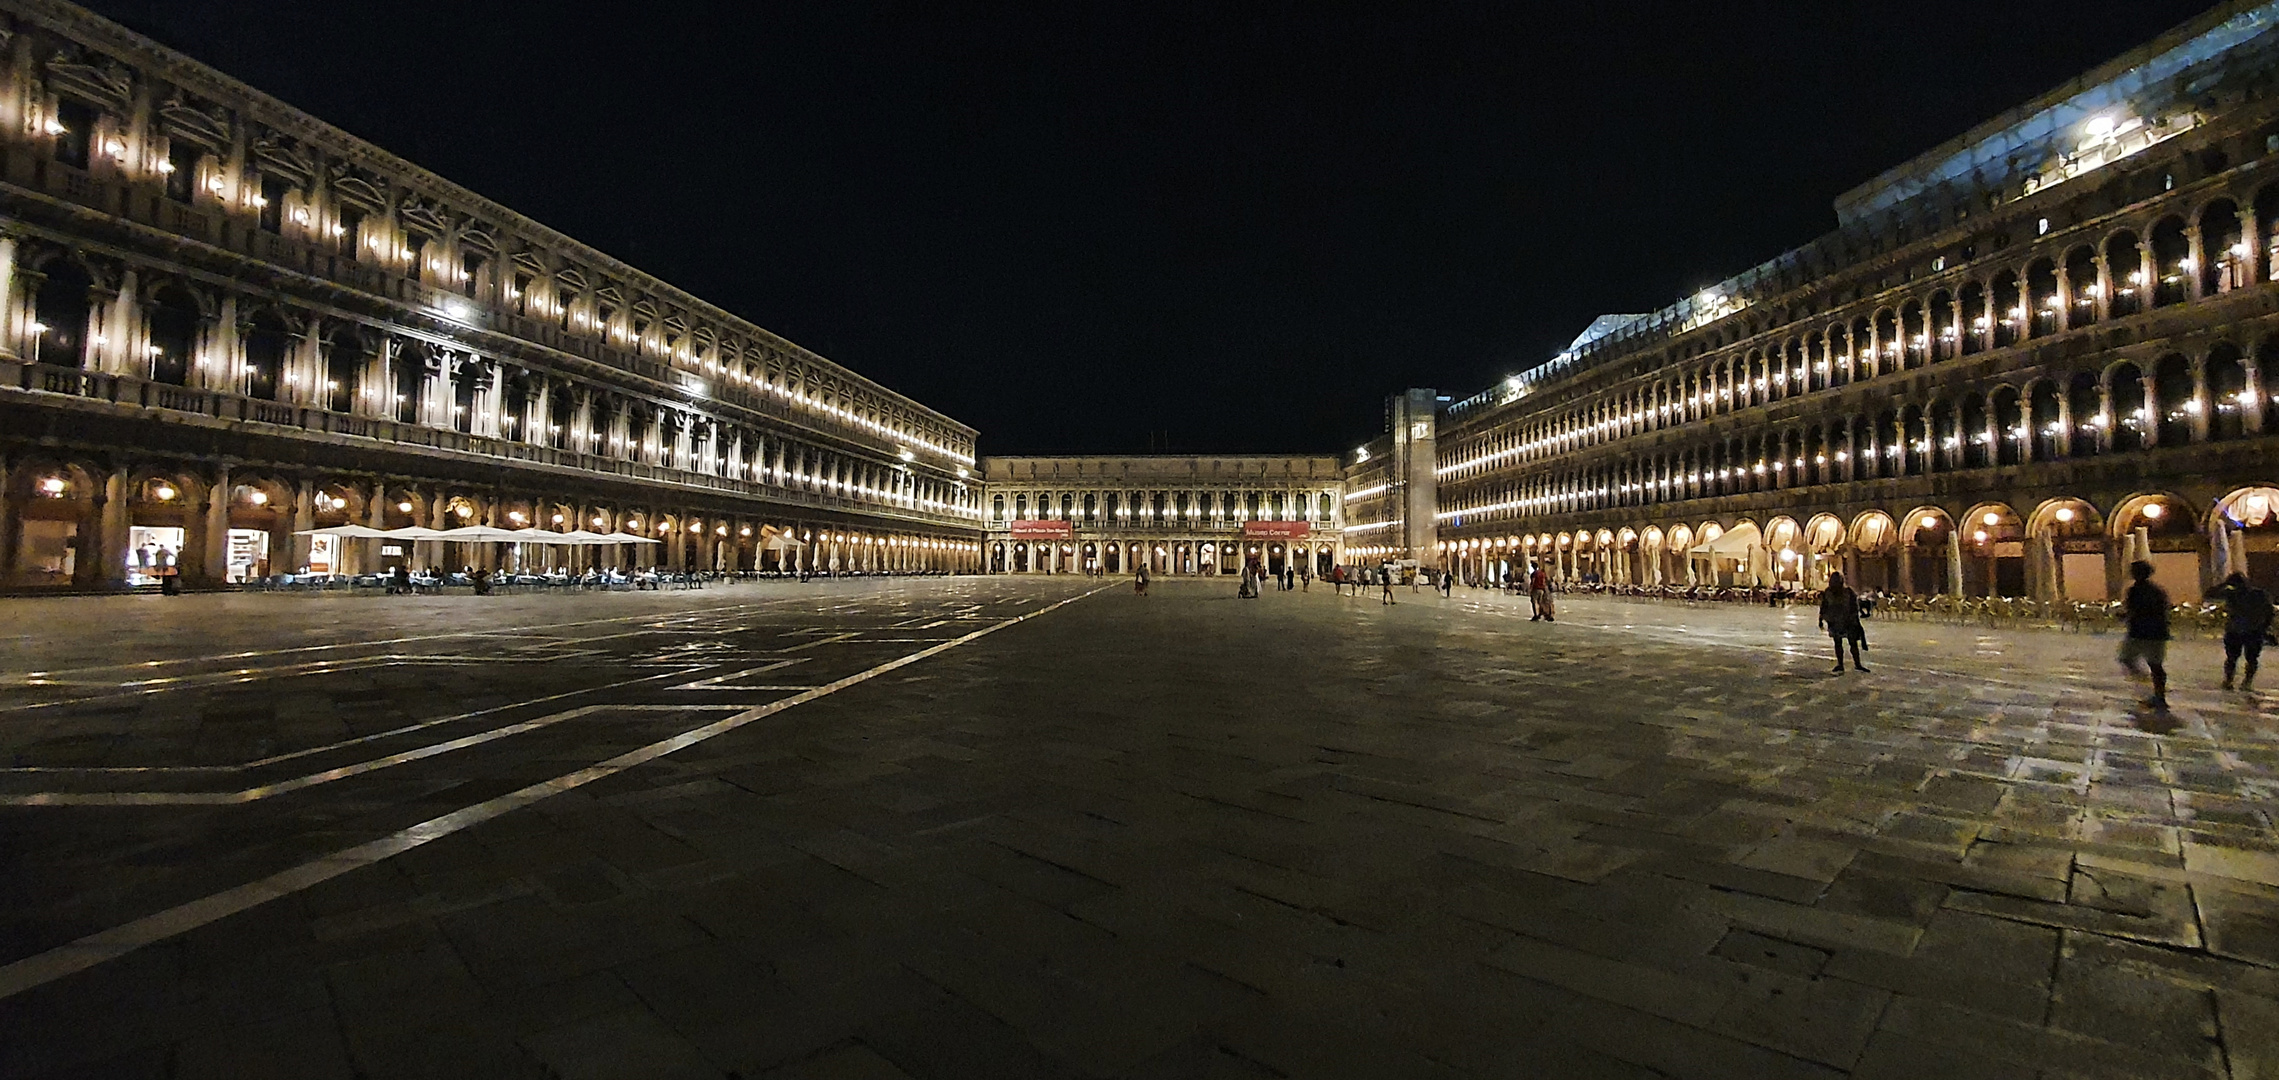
column 1101, row 227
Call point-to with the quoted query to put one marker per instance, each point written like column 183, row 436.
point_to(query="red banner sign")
column 1043, row 530
column 1276, row 530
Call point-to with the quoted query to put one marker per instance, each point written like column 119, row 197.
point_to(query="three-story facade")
column 2034, row 354
column 224, row 323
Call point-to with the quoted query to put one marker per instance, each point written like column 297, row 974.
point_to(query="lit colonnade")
column 1176, row 515
column 220, row 317
column 1987, row 381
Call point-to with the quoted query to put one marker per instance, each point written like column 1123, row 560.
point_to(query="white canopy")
column 1734, row 543
column 478, row 534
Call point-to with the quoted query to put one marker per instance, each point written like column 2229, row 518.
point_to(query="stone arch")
column 2124, row 265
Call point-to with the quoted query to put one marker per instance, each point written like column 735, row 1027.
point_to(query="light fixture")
column 404, row 507
column 2154, row 510
column 2064, row 514
column 164, row 492
column 52, row 486
column 258, row 498
column 1928, row 522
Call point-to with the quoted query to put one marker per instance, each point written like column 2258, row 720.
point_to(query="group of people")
column 2145, row 609
column 1288, row 579
column 2144, row 651
column 161, row 562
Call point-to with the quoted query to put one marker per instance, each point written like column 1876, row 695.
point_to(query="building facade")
column 224, row 322
column 1175, row 515
column 2024, row 359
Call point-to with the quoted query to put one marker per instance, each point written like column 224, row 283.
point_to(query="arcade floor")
column 1047, row 828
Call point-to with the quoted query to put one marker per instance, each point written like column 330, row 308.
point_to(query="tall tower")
column 1411, row 416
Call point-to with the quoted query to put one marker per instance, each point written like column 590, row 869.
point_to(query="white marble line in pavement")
column 40, row 969
column 259, row 792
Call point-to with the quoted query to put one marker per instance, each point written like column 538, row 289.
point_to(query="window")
column 351, row 230
column 78, row 135
column 273, row 204
column 417, row 245
column 182, row 170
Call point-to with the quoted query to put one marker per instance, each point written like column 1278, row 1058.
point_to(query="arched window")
column 2045, row 424
column 2043, row 306
column 1976, row 324
column 59, row 311
column 2130, row 415
column 2009, row 421
column 343, row 367
column 2086, row 402
column 2227, row 389
column 2081, row 282
column 2175, row 402
column 173, row 320
column 2126, row 268
column 2226, row 248
column 2171, row 262
column 267, row 341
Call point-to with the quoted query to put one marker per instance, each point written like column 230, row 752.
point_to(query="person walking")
column 1840, row 616
column 2145, row 608
column 170, row 580
column 1539, row 593
column 2247, row 618
column 1447, row 583
column 1385, row 580
column 1139, row 580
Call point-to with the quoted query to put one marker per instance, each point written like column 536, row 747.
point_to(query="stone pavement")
column 1174, row 836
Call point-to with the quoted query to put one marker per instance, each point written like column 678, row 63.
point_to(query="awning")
column 478, row 534
column 1734, row 543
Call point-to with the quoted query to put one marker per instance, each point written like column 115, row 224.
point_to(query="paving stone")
column 1191, row 837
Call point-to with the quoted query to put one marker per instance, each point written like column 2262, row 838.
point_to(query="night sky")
column 1111, row 227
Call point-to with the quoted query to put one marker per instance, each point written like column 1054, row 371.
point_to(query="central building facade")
column 1175, row 515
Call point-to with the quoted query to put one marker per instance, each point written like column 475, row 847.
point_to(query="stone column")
column 214, row 554
column 111, row 541
column 304, row 517
column 1954, row 561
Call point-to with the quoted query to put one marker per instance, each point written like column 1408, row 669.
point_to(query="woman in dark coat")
column 1840, row 615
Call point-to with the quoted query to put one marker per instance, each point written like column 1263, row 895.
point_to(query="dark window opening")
column 77, row 138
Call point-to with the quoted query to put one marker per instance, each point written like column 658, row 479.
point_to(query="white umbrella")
column 629, row 538
column 412, row 532
column 348, row 532
column 477, row 534
column 581, row 536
